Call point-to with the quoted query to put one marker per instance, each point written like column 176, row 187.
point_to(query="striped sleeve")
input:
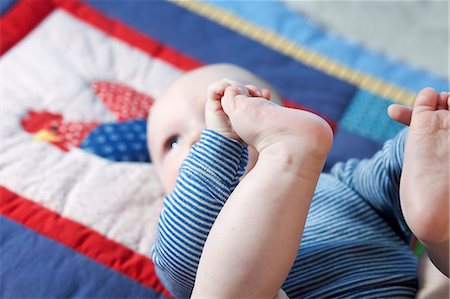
column 377, row 180
column 205, row 181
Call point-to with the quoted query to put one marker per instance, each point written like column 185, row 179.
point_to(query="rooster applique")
column 123, row 140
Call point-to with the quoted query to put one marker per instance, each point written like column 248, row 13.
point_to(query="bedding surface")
column 79, row 196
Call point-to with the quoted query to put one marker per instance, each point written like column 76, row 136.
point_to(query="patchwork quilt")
column 79, row 196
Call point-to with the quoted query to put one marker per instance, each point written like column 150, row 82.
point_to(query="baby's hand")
column 216, row 118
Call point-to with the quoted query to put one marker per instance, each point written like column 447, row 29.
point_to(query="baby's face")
column 175, row 123
column 178, row 117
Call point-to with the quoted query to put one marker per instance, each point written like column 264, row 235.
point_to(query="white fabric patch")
column 52, row 69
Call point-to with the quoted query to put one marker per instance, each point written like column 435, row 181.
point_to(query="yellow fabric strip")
column 299, row 53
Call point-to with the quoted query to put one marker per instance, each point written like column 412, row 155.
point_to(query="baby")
column 270, row 196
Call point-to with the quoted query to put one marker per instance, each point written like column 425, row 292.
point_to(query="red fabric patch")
column 125, row 102
column 37, row 120
column 74, row 133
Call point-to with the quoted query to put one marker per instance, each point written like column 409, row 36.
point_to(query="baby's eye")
column 171, row 143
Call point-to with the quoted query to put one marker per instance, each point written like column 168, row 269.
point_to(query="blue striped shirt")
column 355, row 241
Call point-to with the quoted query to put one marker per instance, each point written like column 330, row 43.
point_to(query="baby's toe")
column 427, row 98
column 444, row 101
column 230, row 99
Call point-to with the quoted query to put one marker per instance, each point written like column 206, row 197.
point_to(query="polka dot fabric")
column 74, row 132
column 125, row 141
column 125, row 102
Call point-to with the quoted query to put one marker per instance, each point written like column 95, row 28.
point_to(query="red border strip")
column 20, row 19
column 80, row 238
column 129, row 35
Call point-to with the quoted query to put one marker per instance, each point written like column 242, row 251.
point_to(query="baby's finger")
column 266, row 94
column 253, row 91
column 216, row 90
column 240, row 87
column 448, row 100
column 400, row 113
column 444, row 101
column 231, row 95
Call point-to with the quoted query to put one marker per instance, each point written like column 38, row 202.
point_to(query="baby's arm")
column 377, row 180
column 423, row 192
column 205, row 181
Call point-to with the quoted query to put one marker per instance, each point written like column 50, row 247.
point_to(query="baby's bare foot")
column 424, row 188
column 293, row 137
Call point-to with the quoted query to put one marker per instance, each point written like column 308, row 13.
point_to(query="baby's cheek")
column 168, row 179
column 171, row 172
column 171, row 166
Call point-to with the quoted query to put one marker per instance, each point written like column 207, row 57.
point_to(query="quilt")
column 79, row 196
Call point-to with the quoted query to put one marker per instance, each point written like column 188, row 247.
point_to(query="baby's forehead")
column 161, row 111
column 201, row 77
column 171, row 107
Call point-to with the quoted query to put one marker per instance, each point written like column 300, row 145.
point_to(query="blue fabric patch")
column 347, row 145
column 367, row 116
column 5, row 5
column 56, row 271
column 125, row 141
